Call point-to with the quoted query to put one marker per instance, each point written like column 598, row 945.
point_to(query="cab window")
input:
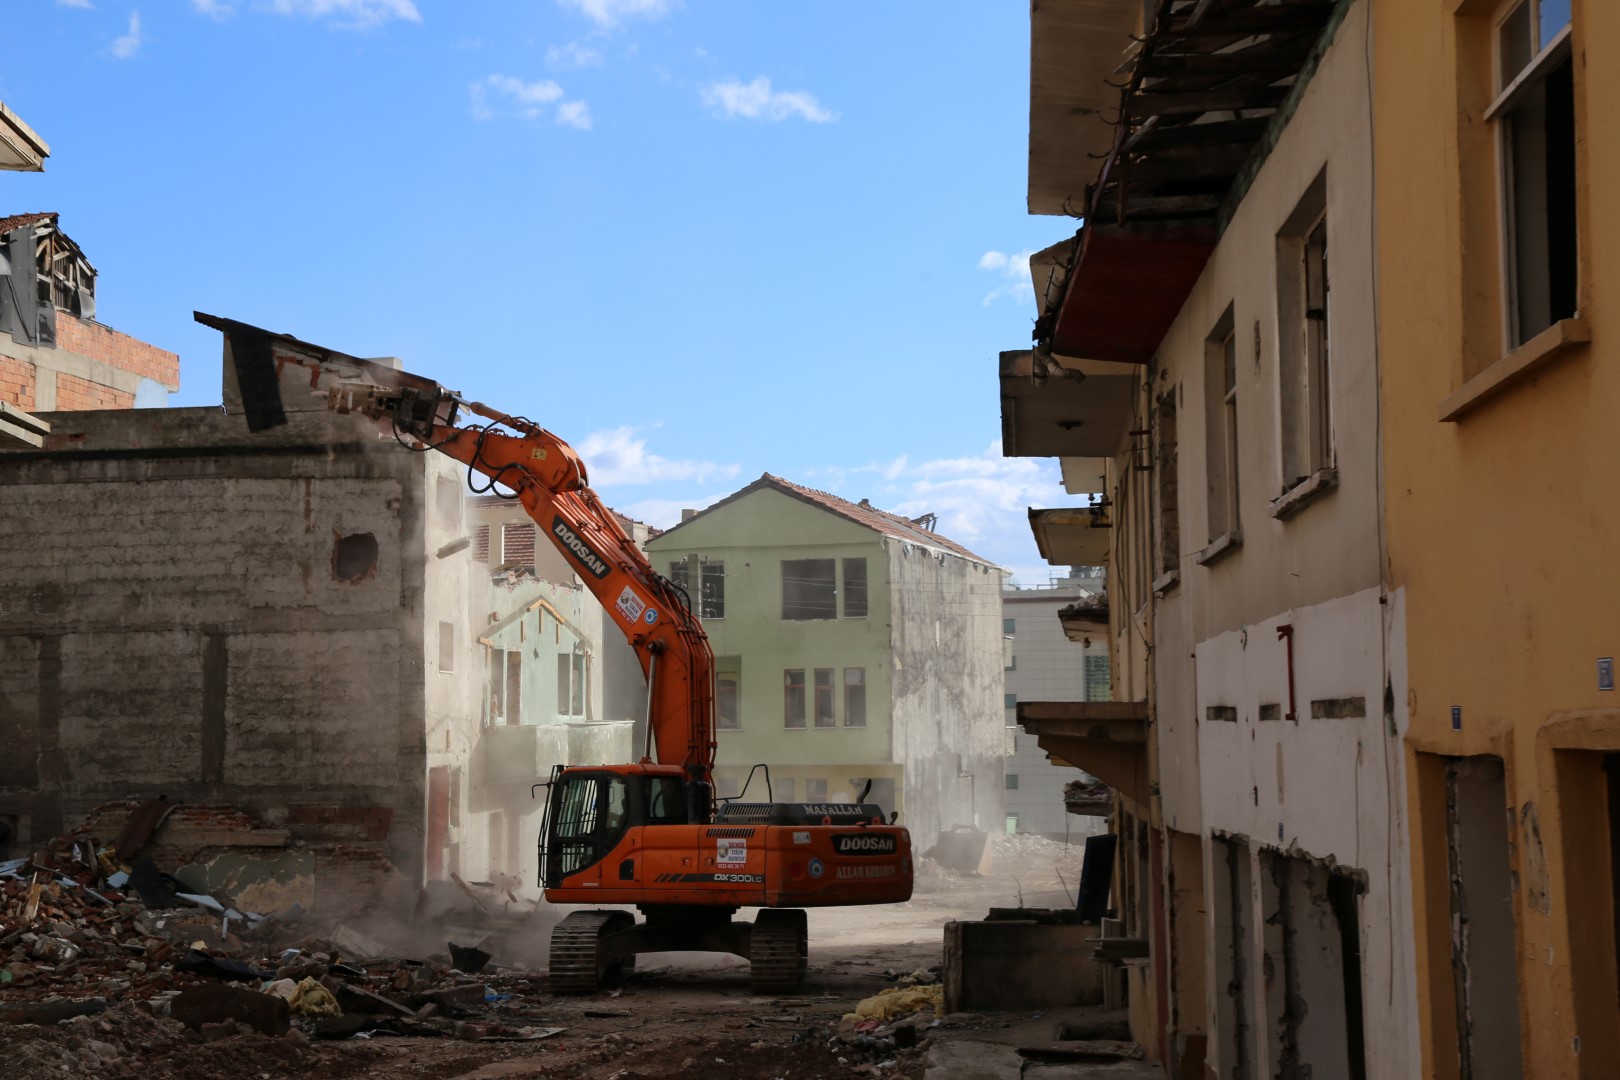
column 665, row 804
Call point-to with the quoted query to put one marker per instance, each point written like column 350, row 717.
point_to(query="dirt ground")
column 679, row 1016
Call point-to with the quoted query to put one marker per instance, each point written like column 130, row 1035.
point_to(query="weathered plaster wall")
column 1508, row 619
column 1332, row 787
column 946, row 678
column 173, row 621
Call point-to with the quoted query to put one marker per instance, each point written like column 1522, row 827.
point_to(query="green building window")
column 728, row 693
column 854, row 588
column 809, row 589
column 1012, row 781
column 710, row 599
column 793, row 699
column 854, row 697
column 824, row 698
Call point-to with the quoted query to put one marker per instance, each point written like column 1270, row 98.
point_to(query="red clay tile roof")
column 17, row 221
column 861, row 513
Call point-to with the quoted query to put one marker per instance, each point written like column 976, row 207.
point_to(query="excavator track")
column 779, row 951
column 579, row 963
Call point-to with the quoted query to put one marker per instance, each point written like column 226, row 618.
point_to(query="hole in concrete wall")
column 1483, row 954
column 1234, row 935
column 1270, row 713
column 1221, row 714
column 1313, row 984
column 1345, row 708
column 354, row 558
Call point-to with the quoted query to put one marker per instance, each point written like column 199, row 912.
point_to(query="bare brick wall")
column 74, row 394
column 119, row 350
column 17, row 382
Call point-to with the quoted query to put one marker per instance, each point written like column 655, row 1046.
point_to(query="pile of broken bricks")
column 69, row 950
column 86, row 927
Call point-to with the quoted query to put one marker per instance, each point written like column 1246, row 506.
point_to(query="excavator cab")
column 590, row 810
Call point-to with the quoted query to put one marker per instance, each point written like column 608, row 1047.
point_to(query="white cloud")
column 358, row 14
column 609, row 13
column 81, row 4
column 618, row 456
column 129, row 44
column 757, row 101
column 528, row 98
column 1014, row 271
column 575, row 114
column 572, row 55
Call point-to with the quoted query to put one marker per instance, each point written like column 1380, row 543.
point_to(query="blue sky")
column 698, row 240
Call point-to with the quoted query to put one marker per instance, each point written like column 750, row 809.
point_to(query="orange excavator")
column 648, row 834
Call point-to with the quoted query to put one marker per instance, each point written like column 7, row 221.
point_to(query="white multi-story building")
column 1047, row 662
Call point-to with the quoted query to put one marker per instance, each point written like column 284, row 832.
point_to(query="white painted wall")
column 1326, row 788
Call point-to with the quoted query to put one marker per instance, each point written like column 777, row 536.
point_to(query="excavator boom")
column 527, row 463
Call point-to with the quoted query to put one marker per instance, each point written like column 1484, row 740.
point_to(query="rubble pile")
column 90, row 931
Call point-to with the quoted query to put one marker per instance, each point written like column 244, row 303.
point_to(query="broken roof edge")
column 910, row 533
column 31, row 150
column 1075, row 47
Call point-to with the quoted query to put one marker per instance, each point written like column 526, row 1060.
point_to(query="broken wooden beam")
column 1238, row 99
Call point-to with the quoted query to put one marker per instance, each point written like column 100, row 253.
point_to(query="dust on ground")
column 677, row 1017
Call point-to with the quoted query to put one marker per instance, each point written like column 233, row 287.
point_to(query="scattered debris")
column 467, row 959
column 899, row 1002
column 197, row 1006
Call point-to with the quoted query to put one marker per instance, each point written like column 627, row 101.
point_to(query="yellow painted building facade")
column 1500, row 391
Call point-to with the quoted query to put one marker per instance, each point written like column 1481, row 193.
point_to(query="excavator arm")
column 522, row 461
column 544, row 473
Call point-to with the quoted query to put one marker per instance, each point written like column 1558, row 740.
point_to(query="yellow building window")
column 1534, row 116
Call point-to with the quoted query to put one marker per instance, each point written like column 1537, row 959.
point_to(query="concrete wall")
column 174, row 620
column 946, row 675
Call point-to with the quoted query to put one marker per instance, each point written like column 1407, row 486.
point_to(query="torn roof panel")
column 1074, row 47
column 21, row 148
column 1198, row 106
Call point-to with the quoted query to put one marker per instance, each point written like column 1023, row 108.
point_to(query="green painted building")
column 851, row 645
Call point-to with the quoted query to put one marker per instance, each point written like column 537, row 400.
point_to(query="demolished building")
column 54, row 355
column 292, row 621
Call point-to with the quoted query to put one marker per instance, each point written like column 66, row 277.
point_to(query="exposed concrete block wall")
column 176, row 620
column 947, row 689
